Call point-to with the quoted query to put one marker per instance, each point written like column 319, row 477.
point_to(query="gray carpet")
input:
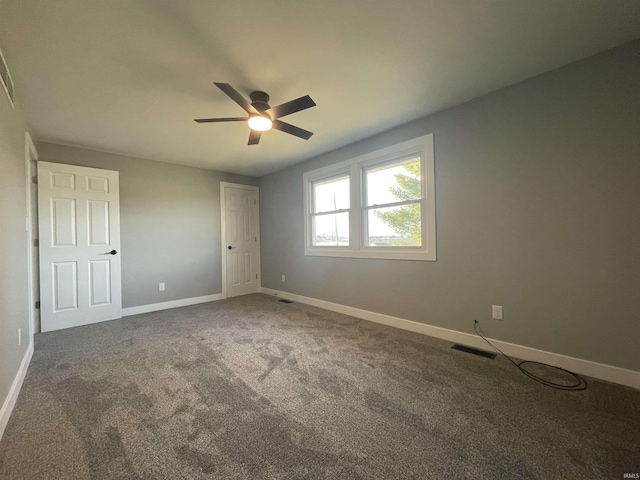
column 251, row 388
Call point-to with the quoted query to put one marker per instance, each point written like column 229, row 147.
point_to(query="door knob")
column 230, row 247
column 112, row 252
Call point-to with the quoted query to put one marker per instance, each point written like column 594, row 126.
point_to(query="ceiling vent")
column 5, row 76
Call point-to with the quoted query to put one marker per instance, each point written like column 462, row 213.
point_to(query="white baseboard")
column 622, row 376
column 14, row 391
column 183, row 302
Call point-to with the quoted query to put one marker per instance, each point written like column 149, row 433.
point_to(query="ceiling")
column 129, row 76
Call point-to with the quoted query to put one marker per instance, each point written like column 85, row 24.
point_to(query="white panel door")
column 79, row 227
column 242, row 240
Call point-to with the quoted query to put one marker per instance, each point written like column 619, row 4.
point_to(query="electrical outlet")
column 283, row 279
column 496, row 312
column 19, row 336
column 161, row 287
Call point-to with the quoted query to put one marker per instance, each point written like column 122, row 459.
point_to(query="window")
column 379, row 205
column 330, row 212
column 393, row 196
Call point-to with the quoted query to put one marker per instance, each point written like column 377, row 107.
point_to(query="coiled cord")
column 579, row 384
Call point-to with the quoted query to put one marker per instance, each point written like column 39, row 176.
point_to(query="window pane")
column 331, row 230
column 396, row 182
column 331, row 195
column 394, row 226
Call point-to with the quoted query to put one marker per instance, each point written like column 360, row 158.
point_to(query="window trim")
column 356, row 169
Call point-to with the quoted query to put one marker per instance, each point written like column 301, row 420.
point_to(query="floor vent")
column 5, row 78
column 284, row 300
column 475, row 351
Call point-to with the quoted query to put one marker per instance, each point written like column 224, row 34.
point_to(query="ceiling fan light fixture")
column 262, row 116
column 260, row 123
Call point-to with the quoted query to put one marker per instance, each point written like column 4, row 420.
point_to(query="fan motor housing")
column 260, row 101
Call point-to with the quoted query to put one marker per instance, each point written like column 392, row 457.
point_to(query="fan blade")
column 236, row 97
column 254, row 137
column 293, row 106
column 212, row 120
column 291, row 129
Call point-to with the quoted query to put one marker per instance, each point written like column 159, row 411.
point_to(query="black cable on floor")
column 580, row 384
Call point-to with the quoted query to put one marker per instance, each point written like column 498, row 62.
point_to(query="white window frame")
column 356, row 169
column 335, row 176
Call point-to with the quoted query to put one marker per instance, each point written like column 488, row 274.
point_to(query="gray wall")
column 538, row 210
column 169, row 220
column 13, row 239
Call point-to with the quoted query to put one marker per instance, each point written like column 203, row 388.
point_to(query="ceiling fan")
column 262, row 116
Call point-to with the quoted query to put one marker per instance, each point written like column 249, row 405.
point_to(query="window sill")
column 423, row 256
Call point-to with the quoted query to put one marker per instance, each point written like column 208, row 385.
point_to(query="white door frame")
column 223, row 231
column 30, row 156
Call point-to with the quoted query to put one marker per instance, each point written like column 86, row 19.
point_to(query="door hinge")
column 35, row 179
column 36, row 242
column 38, row 305
column 256, row 276
column 255, row 202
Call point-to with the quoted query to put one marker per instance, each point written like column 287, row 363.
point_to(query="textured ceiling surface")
column 129, row 76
